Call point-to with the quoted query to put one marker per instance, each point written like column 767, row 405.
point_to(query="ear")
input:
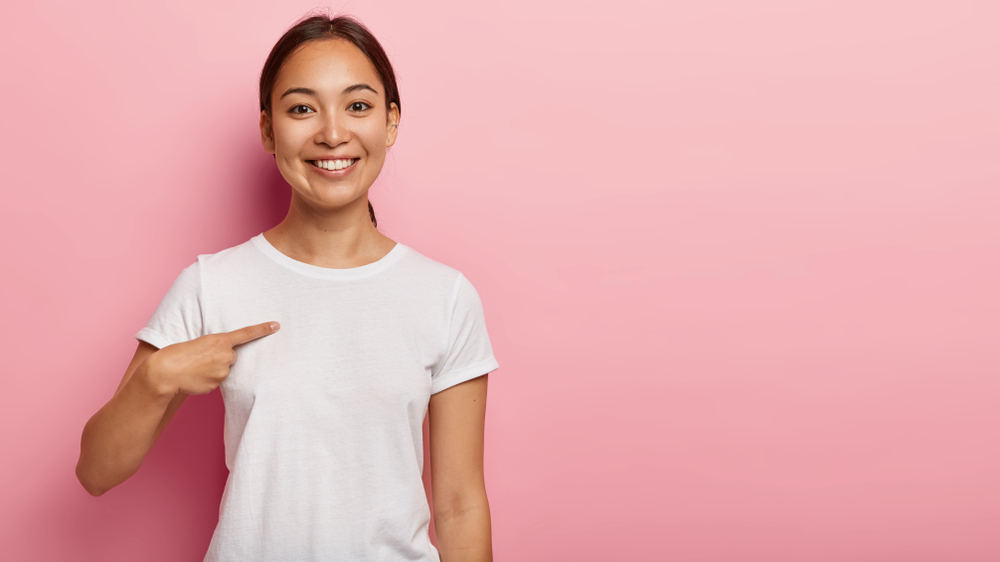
column 266, row 132
column 392, row 124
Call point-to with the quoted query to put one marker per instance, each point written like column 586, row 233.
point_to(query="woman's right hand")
column 200, row 365
column 119, row 436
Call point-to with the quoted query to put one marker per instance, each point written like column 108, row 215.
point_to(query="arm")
column 461, row 509
column 119, row 436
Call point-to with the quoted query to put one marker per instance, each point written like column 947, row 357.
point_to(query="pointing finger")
column 250, row 333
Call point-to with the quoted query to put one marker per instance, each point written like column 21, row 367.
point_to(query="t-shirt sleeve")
column 468, row 351
column 179, row 316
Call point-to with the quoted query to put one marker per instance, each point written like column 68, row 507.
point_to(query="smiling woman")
column 324, row 419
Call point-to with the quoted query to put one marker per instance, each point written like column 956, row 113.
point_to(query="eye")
column 354, row 106
column 293, row 109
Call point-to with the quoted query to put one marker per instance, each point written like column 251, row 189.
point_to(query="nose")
column 332, row 130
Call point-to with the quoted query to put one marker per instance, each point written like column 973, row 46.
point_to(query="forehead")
column 327, row 64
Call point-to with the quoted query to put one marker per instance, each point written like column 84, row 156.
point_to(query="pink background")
column 739, row 260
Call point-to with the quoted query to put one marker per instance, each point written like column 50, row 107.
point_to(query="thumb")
column 250, row 333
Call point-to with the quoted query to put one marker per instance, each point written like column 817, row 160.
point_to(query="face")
column 327, row 110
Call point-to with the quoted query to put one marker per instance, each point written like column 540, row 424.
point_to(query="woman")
column 324, row 414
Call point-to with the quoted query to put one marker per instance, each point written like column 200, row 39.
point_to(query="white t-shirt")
column 324, row 418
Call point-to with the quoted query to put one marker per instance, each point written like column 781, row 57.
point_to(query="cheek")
column 372, row 135
column 288, row 139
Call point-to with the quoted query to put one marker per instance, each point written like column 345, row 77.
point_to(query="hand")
column 200, row 365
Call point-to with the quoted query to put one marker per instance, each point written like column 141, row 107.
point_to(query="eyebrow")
column 311, row 92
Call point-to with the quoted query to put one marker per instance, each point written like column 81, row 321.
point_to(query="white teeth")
column 333, row 164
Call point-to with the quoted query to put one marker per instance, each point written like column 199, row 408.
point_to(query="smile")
column 334, row 164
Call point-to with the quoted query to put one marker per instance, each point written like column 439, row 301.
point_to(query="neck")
column 338, row 238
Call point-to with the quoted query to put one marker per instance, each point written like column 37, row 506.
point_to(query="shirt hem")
column 153, row 338
column 468, row 373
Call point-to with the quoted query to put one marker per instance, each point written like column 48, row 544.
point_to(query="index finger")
column 250, row 333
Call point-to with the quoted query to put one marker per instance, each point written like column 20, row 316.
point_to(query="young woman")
column 324, row 414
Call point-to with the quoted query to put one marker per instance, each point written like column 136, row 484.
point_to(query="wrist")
column 152, row 382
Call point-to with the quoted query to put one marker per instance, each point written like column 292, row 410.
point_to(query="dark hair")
column 313, row 28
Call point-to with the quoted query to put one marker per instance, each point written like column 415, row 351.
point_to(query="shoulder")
column 240, row 260
column 418, row 266
column 434, row 277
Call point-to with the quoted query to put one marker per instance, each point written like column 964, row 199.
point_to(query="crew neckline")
column 320, row 272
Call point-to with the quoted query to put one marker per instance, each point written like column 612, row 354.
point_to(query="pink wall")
column 740, row 262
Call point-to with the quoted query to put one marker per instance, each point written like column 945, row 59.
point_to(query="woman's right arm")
column 119, row 436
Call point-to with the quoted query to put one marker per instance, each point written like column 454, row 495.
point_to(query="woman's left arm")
column 461, row 510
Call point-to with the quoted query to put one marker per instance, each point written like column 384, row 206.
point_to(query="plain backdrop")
column 739, row 262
